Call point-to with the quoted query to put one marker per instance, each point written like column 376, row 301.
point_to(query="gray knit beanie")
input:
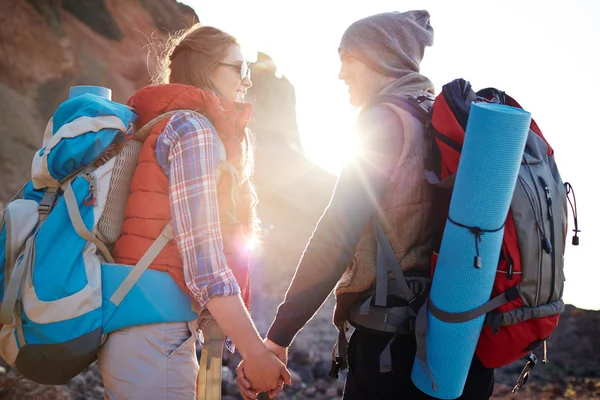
column 391, row 43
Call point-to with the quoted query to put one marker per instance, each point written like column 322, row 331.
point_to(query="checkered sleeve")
column 188, row 154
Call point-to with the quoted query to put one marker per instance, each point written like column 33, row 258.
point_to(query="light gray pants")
column 150, row 362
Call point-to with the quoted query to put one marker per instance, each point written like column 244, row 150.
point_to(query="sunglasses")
column 243, row 68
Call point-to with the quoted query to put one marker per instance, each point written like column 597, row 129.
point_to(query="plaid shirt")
column 188, row 153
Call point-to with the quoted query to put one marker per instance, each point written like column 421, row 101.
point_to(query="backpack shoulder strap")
column 386, row 258
column 20, row 220
column 136, row 273
column 142, row 134
column 415, row 106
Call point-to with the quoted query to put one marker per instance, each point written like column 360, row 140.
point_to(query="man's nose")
column 342, row 73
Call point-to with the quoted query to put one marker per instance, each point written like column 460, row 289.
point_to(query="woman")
column 211, row 218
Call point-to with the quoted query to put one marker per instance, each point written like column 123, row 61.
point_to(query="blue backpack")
column 61, row 292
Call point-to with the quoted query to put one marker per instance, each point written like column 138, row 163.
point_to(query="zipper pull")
column 91, row 199
column 545, row 359
column 546, row 189
column 573, row 204
column 546, row 245
column 509, row 274
column 548, row 198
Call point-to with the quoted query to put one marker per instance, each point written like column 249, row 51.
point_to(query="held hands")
column 255, row 374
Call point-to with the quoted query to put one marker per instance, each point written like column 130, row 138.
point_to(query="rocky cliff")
column 47, row 46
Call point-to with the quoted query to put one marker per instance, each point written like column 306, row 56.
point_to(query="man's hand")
column 262, row 372
column 279, row 351
column 249, row 392
column 282, row 354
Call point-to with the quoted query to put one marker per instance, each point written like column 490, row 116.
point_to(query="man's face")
column 363, row 83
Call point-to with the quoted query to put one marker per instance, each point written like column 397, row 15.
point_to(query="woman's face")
column 231, row 77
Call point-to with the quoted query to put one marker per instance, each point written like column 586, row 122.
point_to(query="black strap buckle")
column 417, row 302
column 339, row 361
column 337, row 365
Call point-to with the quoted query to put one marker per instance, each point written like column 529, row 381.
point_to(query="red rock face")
column 48, row 56
column 48, row 46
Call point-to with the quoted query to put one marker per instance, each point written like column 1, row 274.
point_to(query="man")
column 384, row 185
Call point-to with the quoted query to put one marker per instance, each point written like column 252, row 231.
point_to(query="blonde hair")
column 188, row 57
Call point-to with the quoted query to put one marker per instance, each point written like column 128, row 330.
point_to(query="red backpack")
column 530, row 267
column 526, row 299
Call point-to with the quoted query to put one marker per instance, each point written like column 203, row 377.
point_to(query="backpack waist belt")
column 392, row 320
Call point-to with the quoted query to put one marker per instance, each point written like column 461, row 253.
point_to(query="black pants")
column 365, row 382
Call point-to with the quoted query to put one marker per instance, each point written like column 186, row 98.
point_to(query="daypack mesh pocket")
column 111, row 221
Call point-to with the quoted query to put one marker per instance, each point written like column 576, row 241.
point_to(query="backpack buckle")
column 47, row 202
column 339, row 361
column 337, row 365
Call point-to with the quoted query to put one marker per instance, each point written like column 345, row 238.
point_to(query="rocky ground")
column 573, row 371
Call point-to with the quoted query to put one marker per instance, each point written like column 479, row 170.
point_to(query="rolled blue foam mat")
column 487, row 173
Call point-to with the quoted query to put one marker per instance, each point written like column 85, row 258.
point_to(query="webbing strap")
column 142, row 265
column 421, row 335
column 447, row 183
column 393, row 264
column 79, row 226
column 386, row 258
column 394, row 320
column 11, row 293
column 382, row 319
column 10, row 252
column 19, row 192
column 19, row 327
column 100, row 161
column 382, row 277
column 343, row 345
column 210, row 373
column 144, row 131
column 412, row 105
column 365, row 307
column 339, row 355
column 421, row 324
column 385, row 358
column 456, row 318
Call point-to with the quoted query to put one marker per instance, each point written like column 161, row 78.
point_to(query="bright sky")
column 543, row 53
